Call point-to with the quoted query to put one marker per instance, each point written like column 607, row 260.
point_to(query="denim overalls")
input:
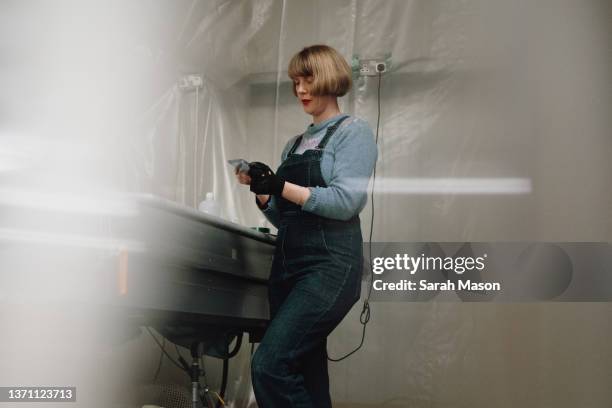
column 314, row 282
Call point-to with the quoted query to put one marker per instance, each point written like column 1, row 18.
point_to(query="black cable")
column 372, row 216
column 161, row 359
column 236, row 347
column 206, row 401
column 224, row 379
column 182, row 361
column 365, row 315
column 224, row 375
column 178, row 352
column 163, row 350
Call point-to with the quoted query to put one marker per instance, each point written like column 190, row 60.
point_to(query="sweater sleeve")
column 355, row 156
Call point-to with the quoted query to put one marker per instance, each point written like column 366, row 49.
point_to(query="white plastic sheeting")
column 501, row 91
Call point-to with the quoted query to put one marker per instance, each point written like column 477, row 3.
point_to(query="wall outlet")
column 372, row 67
column 190, row 82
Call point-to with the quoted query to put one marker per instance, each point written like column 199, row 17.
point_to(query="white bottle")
column 209, row 205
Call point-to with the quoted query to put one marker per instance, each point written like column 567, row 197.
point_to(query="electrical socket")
column 372, row 67
column 190, row 82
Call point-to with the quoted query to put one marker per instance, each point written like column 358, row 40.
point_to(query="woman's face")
column 313, row 105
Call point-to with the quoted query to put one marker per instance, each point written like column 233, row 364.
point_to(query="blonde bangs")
column 330, row 71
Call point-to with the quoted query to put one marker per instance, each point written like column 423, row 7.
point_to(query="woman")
column 314, row 200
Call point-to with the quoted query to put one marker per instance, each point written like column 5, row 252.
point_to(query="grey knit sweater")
column 346, row 166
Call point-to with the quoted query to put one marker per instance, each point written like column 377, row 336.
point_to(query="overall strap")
column 330, row 132
column 295, row 145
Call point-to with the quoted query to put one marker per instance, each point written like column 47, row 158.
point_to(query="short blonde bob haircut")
column 331, row 74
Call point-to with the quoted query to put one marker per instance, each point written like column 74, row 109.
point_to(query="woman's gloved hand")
column 263, row 179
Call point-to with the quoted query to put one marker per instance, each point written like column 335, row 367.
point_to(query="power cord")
column 184, row 366
column 365, row 315
column 161, row 359
column 164, row 351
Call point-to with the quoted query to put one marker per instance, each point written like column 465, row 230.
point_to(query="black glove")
column 263, row 179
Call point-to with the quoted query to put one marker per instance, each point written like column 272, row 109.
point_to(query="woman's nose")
column 299, row 88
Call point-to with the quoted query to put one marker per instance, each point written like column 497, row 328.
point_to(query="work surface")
column 152, row 259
